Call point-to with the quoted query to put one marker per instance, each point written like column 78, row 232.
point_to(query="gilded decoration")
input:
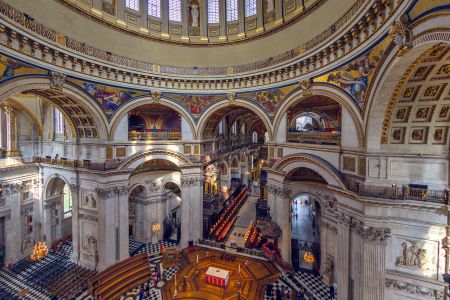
column 418, row 98
column 401, row 34
column 11, row 68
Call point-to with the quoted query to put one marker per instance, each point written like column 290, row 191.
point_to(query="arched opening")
column 172, row 221
column 155, row 202
column 57, row 210
column 231, row 127
column 314, row 120
column 305, row 236
column 153, row 122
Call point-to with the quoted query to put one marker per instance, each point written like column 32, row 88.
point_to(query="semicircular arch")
column 127, row 107
column 239, row 102
column 333, row 92
column 137, row 159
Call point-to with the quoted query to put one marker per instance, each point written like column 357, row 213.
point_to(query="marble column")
column 184, row 18
column 342, row 271
column 203, row 19
column 106, row 236
column 260, row 15
column 13, row 224
column 191, row 208
column 123, row 219
column 374, row 273
column 75, row 190
column 223, row 18
column 278, row 12
column 323, row 245
column 120, row 9
column 241, row 17
column 164, row 17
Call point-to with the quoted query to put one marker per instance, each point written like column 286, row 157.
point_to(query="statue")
column 401, row 34
column 194, row 14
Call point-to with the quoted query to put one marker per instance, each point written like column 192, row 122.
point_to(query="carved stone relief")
column 412, row 256
column 413, row 288
column 89, row 245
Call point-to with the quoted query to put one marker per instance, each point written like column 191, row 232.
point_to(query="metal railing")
column 395, row 192
column 314, row 137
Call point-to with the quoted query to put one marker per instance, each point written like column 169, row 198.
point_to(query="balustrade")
column 154, row 135
column 314, row 137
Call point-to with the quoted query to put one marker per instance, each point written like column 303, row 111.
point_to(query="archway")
column 57, row 210
column 172, row 220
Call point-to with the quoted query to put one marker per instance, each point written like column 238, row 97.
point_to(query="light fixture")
column 40, row 250
column 308, row 257
column 156, row 227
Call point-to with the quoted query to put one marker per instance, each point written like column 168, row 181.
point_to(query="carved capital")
column 57, row 80
column 375, row 234
column 191, row 181
column 231, row 98
column 401, row 35
column 12, row 188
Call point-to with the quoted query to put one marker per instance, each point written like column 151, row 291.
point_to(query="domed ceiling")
column 197, row 36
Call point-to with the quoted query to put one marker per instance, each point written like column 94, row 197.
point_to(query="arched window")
column 232, row 10
column 234, row 128
column 266, row 137
column 304, row 123
column 67, row 201
column 133, row 4
column 154, row 8
column 59, row 121
column 250, row 8
column 175, row 10
column 221, row 125
column 255, row 137
column 213, row 11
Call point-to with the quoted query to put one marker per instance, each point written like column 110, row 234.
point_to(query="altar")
column 217, row 276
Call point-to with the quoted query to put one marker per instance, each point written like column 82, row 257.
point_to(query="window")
column 213, row 11
column 59, row 122
column 250, row 8
column 175, row 10
column 154, row 8
column 133, row 4
column 67, row 201
column 255, row 137
column 232, row 10
column 304, row 123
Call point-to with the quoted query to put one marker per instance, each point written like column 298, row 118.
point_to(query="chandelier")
column 308, row 257
column 40, row 250
column 156, row 227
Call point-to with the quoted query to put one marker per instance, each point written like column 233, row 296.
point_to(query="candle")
column 197, row 258
column 239, row 268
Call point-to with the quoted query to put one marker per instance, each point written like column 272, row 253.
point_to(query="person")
column 331, row 291
column 141, row 294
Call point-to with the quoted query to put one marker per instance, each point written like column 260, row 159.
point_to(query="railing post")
column 405, row 192
column 394, row 191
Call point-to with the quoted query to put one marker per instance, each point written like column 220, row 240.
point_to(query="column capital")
column 192, row 181
column 112, row 191
column 12, row 188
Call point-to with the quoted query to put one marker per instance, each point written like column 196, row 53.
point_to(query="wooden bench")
column 120, row 278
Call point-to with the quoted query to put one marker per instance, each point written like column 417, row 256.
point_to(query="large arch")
column 389, row 77
column 240, row 103
column 124, row 109
column 309, row 161
column 333, row 92
column 41, row 86
column 137, row 159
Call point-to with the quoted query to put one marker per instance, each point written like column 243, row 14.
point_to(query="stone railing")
column 85, row 164
column 395, row 192
column 314, row 137
column 154, row 136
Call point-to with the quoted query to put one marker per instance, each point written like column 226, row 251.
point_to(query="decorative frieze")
column 414, row 289
column 112, row 191
column 90, row 218
column 192, row 181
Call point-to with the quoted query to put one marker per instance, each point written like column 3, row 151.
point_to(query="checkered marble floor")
column 154, row 248
column 311, row 283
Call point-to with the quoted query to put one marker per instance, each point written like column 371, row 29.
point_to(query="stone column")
column 241, row 16
column 184, row 18
column 106, row 237
column 260, row 15
column 323, row 245
column 8, row 137
column 164, row 17
column 13, row 224
column 143, row 9
column 203, row 19
column 191, row 207
column 223, row 18
column 120, row 9
column 374, row 273
column 278, row 12
column 342, row 270
column 124, row 251
column 75, row 193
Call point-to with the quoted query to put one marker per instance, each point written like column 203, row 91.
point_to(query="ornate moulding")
column 25, row 39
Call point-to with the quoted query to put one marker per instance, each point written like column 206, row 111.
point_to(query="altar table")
column 217, row 276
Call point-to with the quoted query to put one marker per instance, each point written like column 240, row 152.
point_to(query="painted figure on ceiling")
column 11, row 65
column 110, row 100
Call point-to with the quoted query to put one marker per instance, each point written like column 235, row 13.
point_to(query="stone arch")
column 240, row 103
column 135, row 186
column 41, row 86
column 29, row 114
column 51, row 179
column 388, row 78
column 309, row 161
column 137, row 159
column 125, row 108
column 333, row 92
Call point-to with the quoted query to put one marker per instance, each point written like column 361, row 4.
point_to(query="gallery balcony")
column 314, row 137
column 154, row 135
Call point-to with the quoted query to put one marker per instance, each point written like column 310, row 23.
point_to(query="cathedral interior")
column 225, row 149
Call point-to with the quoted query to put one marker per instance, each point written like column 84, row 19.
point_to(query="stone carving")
column 89, row 218
column 89, row 201
column 89, row 245
column 193, row 181
column 328, row 275
column 156, row 96
column 306, row 87
column 231, row 98
column 413, row 288
column 195, row 14
column 412, row 256
column 112, row 191
column 372, row 234
column 26, row 244
column 401, row 34
column 57, row 80
column 154, row 186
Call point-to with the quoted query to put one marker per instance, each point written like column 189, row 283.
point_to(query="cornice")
column 24, row 39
